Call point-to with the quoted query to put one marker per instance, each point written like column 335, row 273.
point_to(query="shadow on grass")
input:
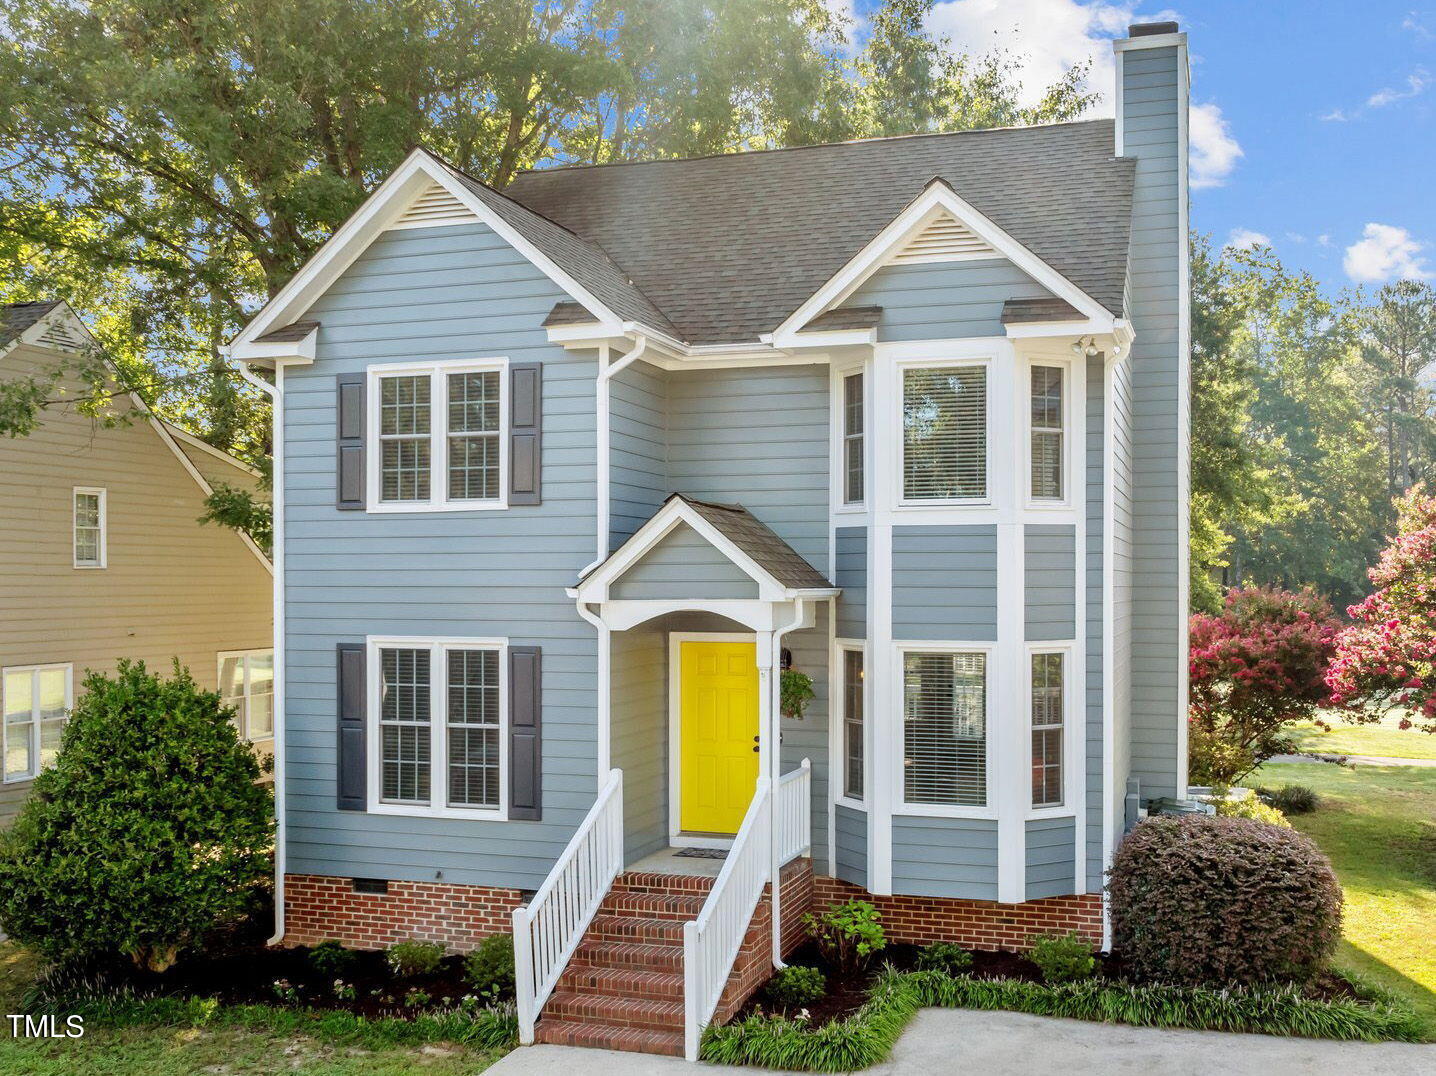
column 1419, row 996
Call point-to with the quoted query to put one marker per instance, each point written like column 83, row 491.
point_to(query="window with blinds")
column 944, row 433
column 1047, row 677
column 404, row 405
column 853, row 439
column 945, row 729
column 1047, row 433
column 404, row 732
column 474, row 436
column 853, row 724
column 473, row 728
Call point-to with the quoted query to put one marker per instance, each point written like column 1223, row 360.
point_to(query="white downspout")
column 603, row 392
column 275, row 392
column 775, row 763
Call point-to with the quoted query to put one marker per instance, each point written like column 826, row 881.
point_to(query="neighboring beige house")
column 102, row 557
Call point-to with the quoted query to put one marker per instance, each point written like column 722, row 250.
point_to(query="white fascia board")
column 297, row 352
column 1154, row 41
column 186, row 438
column 938, row 196
column 834, row 338
column 1028, row 330
column 379, row 210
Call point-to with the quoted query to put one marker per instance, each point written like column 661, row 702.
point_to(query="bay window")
column 853, row 724
column 1047, row 693
column 944, row 698
column 1046, row 433
column 853, row 425
column 944, row 430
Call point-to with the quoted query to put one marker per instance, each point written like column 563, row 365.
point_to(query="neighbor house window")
column 853, row 439
column 441, row 727
column 1047, row 433
column 853, row 724
column 440, row 436
column 1047, row 710
column 246, row 683
column 944, row 420
column 945, row 729
column 89, row 528
column 36, row 701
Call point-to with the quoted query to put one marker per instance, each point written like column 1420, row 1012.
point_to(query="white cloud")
column 1416, row 84
column 1385, row 252
column 1413, row 24
column 1338, row 115
column 1214, row 152
column 1245, row 239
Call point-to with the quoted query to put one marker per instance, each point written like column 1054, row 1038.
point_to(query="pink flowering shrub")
column 1254, row 668
column 1387, row 658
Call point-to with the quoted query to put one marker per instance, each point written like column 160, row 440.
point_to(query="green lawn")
column 223, row 1051
column 1385, row 739
column 1378, row 825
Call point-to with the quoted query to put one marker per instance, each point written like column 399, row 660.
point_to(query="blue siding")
column 1050, row 575
column 639, row 722
column 943, row 300
column 851, row 830
column 421, row 294
column 945, row 583
column 638, row 448
column 808, row 737
column 852, row 575
column 684, row 564
column 945, row 857
column 1050, row 869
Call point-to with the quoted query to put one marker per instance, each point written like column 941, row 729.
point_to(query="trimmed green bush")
column 1200, row 900
column 148, row 832
column 944, row 956
column 489, row 969
column 847, row 934
column 332, row 960
column 796, row 986
column 1291, row 799
column 1253, row 807
column 1062, row 958
column 407, row 959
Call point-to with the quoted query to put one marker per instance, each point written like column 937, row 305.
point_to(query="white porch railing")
column 711, row 942
column 549, row 928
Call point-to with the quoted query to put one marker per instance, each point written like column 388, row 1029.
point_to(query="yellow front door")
column 717, row 734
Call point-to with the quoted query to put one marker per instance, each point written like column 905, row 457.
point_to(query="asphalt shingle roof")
column 846, row 317
column 1048, row 308
column 296, row 330
column 727, row 247
column 757, row 539
column 15, row 318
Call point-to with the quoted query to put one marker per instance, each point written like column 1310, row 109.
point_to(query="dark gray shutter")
column 349, row 484
column 525, row 719
column 352, row 694
column 526, row 433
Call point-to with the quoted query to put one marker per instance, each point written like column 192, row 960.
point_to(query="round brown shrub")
column 1199, row 899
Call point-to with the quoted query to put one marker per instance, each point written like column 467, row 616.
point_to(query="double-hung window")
column 945, row 728
column 853, row 724
column 89, row 527
column 440, row 725
column 1047, row 434
column 439, row 436
column 944, row 428
column 1048, row 695
column 853, row 479
column 36, row 701
column 246, row 684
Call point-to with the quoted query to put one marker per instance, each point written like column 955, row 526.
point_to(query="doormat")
column 701, row 853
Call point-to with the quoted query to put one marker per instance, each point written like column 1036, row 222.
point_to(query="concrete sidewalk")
column 1001, row 1043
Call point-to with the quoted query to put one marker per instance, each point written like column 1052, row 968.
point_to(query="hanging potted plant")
column 795, row 691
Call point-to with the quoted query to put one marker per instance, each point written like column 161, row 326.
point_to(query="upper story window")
column 36, row 701
column 89, row 528
column 944, row 419
column 246, row 684
column 439, row 435
column 945, row 728
column 1048, row 435
column 853, row 439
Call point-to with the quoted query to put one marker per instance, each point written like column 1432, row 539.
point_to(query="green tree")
column 1397, row 334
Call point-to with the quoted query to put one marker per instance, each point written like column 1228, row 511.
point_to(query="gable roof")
column 15, row 318
column 758, row 541
column 728, row 247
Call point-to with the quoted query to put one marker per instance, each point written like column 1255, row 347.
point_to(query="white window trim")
column 1072, row 787
column 1070, row 474
column 992, row 446
column 34, row 725
column 438, row 727
column 939, row 810
column 838, row 502
column 438, row 372
column 243, row 711
column 840, row 711
column 75, row 561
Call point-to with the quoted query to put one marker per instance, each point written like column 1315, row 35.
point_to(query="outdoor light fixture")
column 1086, row 345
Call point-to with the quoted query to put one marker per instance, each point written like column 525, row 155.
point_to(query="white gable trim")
column 380, row 210
column 61, row 317
column 938, row 198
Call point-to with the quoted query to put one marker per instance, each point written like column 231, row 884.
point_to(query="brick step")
column 632, row 1039
column 606, row 1011
column 635, row 956
column 648, row 882
column 622, row 982
column 653, row 905
column 636, row 928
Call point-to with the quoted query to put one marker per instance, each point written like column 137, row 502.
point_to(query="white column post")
column 1007, row 717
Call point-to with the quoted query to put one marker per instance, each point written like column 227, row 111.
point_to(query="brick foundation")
column 754, row 964
column 974, row 924
column 319, row 907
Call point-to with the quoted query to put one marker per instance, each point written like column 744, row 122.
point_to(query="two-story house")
column 573, row 475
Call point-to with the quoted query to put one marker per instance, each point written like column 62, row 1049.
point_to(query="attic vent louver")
column 433, row 207
column 945, row 239
column 58, row 335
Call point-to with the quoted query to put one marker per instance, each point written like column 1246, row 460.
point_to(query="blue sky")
column 1314, row 122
